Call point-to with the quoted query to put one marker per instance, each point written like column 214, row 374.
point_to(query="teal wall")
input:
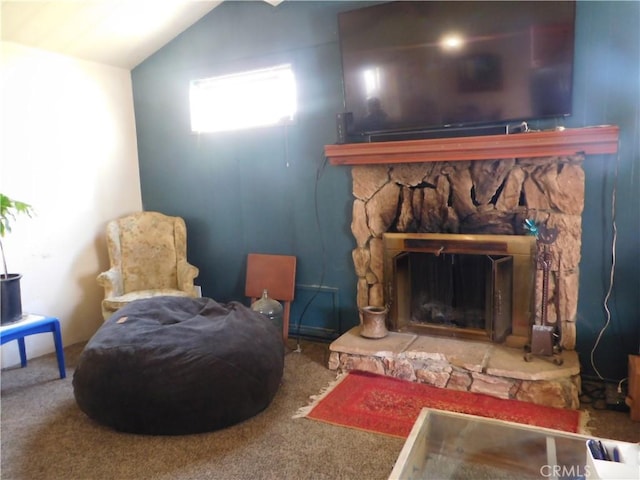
column 607, row 91
column 256, row 190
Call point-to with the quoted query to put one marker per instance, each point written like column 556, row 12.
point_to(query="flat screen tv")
column 415, row 67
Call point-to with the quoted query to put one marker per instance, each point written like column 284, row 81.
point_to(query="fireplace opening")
column 459, row 292
column 469, row 286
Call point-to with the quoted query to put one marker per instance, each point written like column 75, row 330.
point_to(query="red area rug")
column 390, row 406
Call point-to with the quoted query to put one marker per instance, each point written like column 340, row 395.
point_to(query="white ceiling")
column 121, row 33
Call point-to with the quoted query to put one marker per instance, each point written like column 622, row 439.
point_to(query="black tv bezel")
column 508, row 125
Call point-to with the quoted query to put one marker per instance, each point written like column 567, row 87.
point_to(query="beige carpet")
column 45, row 436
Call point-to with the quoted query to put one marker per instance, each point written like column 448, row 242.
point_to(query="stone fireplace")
column 439, row 228
column 484, row 197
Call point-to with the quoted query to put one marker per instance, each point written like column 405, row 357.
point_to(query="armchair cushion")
column 116, row 303
column 147, row 253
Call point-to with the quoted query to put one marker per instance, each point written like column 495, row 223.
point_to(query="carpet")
column 390, row 406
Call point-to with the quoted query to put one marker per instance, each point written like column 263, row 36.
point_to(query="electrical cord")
column 620, row 384
column 319, row 173
column 612, row 270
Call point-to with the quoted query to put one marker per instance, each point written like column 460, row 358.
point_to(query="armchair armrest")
column 111, row 280
column 186, row 275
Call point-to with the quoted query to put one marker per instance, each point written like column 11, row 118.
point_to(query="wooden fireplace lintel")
column 588, row 140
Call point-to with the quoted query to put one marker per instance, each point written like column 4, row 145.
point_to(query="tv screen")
column 414, row 66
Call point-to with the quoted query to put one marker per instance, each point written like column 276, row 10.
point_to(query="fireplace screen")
column 460, row 291
column 455, row 287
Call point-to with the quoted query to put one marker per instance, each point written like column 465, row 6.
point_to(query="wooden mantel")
column 570, row 141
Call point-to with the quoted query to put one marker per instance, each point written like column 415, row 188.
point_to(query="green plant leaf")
column 9, row 210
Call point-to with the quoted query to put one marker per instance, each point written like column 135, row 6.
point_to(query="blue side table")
column 30, row 325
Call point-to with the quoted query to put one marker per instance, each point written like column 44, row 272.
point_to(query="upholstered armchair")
column 148, row 257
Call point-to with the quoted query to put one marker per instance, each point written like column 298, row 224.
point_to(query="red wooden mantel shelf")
column 587, row 140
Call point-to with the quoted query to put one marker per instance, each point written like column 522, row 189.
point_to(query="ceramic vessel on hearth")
column 373, row 321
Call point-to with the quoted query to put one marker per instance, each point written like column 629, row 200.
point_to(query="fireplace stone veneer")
column 486, row 197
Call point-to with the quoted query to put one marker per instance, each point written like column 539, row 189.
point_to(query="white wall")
column 69, row 149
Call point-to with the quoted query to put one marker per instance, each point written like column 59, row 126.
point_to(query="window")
column 243, row 100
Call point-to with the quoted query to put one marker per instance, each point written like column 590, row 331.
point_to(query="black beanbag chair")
column 175, row 365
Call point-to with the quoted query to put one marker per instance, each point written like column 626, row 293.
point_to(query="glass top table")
column 447, row 445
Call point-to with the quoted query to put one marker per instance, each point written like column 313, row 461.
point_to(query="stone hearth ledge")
column 465, row 365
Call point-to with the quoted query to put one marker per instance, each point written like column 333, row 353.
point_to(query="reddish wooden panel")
column 277, row 274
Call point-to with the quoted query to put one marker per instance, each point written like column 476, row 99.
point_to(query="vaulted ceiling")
column 121, row 33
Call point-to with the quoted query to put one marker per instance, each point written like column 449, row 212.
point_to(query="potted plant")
column 10, row 298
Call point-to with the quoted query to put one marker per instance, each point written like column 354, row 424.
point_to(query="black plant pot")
column 10, row 298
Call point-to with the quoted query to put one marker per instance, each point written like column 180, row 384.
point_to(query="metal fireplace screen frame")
column 498, row 291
